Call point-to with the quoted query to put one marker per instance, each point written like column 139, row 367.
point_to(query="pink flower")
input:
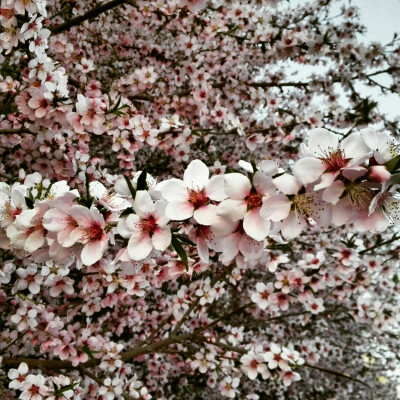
column 18, row 376
column 109, row 200
column 263, row 295
column 147, row 229
column 12, row 202
column 384, row 147
column 274, row 359
column 245, row 201
column 89, row 232
column 326, row 158
column 59, row 220
column 192, row 196
column 253, row 364
column 296, row 209
column 34, row 388
column 27, row 231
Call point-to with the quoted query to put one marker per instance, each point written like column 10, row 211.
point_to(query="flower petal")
column 196, row 175
column 178, row 211
column 255, row 226
column 292, row 226
column 205, row 215
column 173, row 190
column 139, row 246
column 276, row 208
column 321, row 141
column 161, row 238
column 215, row 188
column 237, row 186
column 288, row 184
column 308, row 169
column 233, row 209
column 143, row 204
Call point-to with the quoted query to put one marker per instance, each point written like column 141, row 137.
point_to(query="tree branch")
column 341, row 375
column 13, row 131
column 93, row 13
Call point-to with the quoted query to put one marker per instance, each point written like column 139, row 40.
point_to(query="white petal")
column 173, row 190
column 354, row 146
column 249, row 247
column 139, row 246
column 353, row 173
column 233, row 209
column 308, row 169
column 196, row 175
column 143, row 204
column 125, row 226
column 246, row 166
column 159, row 213
column 215, row 188
column 370, row 138
column 321, row 141
column 255, row 226
column 263, row 184
column 292, row 226
column 276, row 208
column 161, row 238
column 268, row 167
column 288, row 184
column 342, row 212
column 332, row 193
column 205, row 215
column 81, row 215
column 326, row 180
column 34, row 241
column 93, row 251
column 237, row 186
column 178, row 211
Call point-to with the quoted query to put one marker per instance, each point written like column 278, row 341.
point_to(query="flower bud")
column 379, row 173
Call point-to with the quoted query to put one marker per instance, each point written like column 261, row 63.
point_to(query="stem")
column 393, row 239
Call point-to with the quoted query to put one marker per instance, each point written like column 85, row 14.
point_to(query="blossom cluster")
column 231, row 214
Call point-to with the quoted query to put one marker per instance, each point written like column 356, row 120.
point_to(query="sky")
column 382, row 19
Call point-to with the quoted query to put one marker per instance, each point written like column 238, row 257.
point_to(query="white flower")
column 191, row 197
column 326, row 158
column 147, row 229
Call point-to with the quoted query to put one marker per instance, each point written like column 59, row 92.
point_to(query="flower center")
column 149, row 225
column 335, row 161
column 360, row 196
column 94, row 233
column 197, row 198
column 254, row 201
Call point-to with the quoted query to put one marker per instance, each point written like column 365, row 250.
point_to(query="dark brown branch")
column 14, row 131
column 93, row 13
column 278, row 84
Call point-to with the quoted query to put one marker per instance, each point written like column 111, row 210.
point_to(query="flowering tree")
column 196, row 201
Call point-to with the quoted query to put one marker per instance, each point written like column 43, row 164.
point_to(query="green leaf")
column 130, row 186
column 393, row 164
column 181, row 251
column 185, row 240
column 29, row 202
column 141, row 183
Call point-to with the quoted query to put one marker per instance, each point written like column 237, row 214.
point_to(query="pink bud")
column 379, row 173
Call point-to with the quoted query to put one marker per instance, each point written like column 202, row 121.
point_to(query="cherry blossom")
column 192, row 196
column 147, row 229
